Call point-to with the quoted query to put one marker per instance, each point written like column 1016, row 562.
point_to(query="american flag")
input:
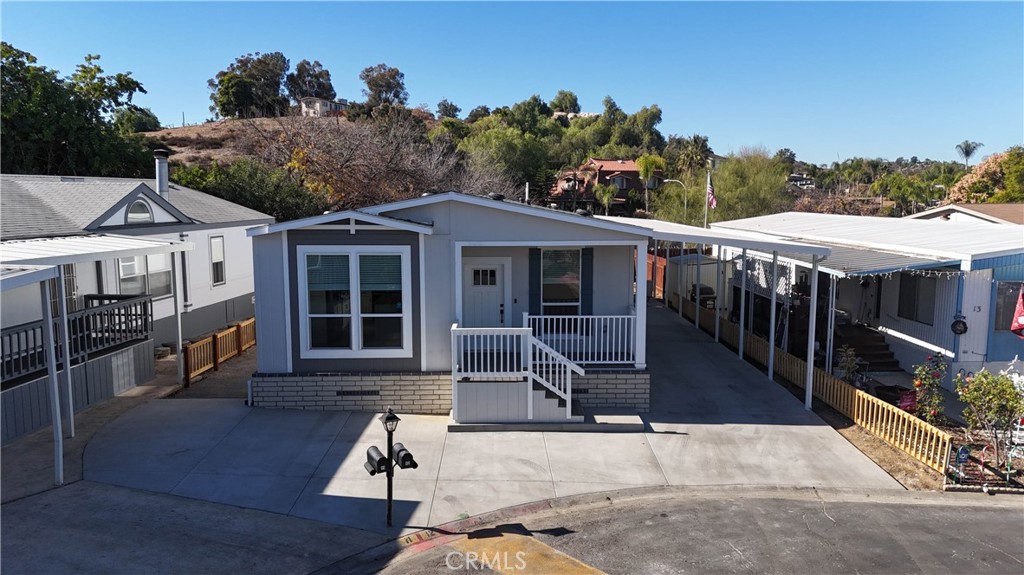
column 712, row 201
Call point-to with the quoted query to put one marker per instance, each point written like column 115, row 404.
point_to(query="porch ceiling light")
column 390, row 421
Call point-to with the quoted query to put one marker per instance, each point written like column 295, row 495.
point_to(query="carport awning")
column 12, row 277
column 845, row 262
column 76, row 249
column 673, row 232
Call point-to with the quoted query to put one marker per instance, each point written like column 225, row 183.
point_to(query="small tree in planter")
column 928, row 378
column 846, row 361
column 995, row 402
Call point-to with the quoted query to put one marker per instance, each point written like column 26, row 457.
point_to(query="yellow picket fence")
column 926, row 443
column 208, row 353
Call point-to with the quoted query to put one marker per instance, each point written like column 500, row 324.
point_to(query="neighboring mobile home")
column 504, row 311
column 136, row 260
column 928, row 286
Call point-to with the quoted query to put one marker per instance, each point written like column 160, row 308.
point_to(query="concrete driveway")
column 716, row 421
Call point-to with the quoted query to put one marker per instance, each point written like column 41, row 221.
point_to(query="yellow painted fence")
column 208, row 353
column 923, row 441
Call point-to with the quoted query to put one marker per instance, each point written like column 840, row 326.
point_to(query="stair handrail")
column 562, row 386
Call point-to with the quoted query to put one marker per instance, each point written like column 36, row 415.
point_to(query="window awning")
column 673, row 232
column 77, row 249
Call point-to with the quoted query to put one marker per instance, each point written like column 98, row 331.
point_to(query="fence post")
column 238, row 337
column 216, row 352
column 188, row 365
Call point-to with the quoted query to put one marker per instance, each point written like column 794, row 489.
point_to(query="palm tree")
column 695, row 154
column 966, row 149
column 647, row 165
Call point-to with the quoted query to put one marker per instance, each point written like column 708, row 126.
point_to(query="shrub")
column 928, row 378
column 995, row 402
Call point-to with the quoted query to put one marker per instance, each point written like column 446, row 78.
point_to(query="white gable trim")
column 382, row 222
column 509, row 206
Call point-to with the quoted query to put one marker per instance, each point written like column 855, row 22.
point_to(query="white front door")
column 485, row 299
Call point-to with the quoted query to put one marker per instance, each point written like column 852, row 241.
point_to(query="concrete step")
column 607, row 420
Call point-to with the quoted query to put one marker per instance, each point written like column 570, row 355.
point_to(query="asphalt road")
column 709, row 531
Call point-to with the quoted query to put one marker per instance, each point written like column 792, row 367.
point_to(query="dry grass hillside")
column 222, row 141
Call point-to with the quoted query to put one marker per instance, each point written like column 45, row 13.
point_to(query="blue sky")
column 825, row 79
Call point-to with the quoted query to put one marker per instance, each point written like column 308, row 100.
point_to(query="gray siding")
column 360, row 238
column 492, row 402
column 201, row 321
column 270, row 280
column 26, row 408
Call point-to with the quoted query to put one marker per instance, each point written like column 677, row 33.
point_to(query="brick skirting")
column 426, row 393
column 628, row 389
column 423, row 393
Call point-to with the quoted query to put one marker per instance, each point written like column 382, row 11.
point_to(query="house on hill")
column 320, row 107
column 575, row 187
column 984, row 213
column 140, row 263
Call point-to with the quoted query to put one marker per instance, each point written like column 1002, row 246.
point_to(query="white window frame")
column 149, row 212
column 144, row 273
column 579, row 302
column 353, row 253
column 223, row 262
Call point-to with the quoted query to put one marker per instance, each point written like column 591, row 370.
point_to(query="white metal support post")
column 719, row 297
column 65, row 340
column 743, row 300
column 831, row 322
column 774, row 285
column 811, row 326
column 697, row 292
column 679, row 269
column 640, row 336
column 51, row 373
column 176, row 274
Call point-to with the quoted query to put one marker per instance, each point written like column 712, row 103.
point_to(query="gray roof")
column 48, row 206
column 845, row 261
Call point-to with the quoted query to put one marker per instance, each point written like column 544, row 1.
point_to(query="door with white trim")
column 486, row 297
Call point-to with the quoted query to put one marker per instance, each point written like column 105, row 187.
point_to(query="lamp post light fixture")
column 376, row 462
column 684, row 196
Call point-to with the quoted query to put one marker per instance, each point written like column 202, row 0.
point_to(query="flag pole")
column 707, row 195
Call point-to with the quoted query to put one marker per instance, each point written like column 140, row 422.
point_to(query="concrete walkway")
column 717, row 421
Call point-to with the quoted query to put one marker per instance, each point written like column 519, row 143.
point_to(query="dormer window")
column 139, row 213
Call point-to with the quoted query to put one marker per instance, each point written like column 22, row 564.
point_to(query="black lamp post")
column 397, row 455
column 390, row 422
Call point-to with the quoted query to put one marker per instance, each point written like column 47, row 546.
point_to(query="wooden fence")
column 926, row 443
column 208, row 353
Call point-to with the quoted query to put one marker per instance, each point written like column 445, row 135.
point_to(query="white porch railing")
column 490, row 354
column 587, row 339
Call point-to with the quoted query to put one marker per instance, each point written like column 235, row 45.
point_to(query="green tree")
column 54, row 125
column 134, row 120
column 786, row 156
column 749, row 184
column 565, row 101
column 254, row 184
column 928, row 378
column 256, row 83
column 604, row 194
column 682, row 203
column 1013, row 177
column 478, row 113
column 384, row 85
column 519, row 155
column 309, row 80
column 647, row 165
column 694, row 153
column 446, row 109
column 966, row 149
column 452, row 128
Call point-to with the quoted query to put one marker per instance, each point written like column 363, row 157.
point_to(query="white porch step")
column 606, row 421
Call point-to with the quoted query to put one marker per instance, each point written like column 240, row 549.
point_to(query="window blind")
column 327, row 272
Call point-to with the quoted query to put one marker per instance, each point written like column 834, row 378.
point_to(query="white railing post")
column 455, row 375
column 568, row 392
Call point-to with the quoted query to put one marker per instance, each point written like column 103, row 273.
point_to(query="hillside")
column 222, row 141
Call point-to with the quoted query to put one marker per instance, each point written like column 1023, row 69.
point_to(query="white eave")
column 77, row 249
column 352, row 216
column 673, row 232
